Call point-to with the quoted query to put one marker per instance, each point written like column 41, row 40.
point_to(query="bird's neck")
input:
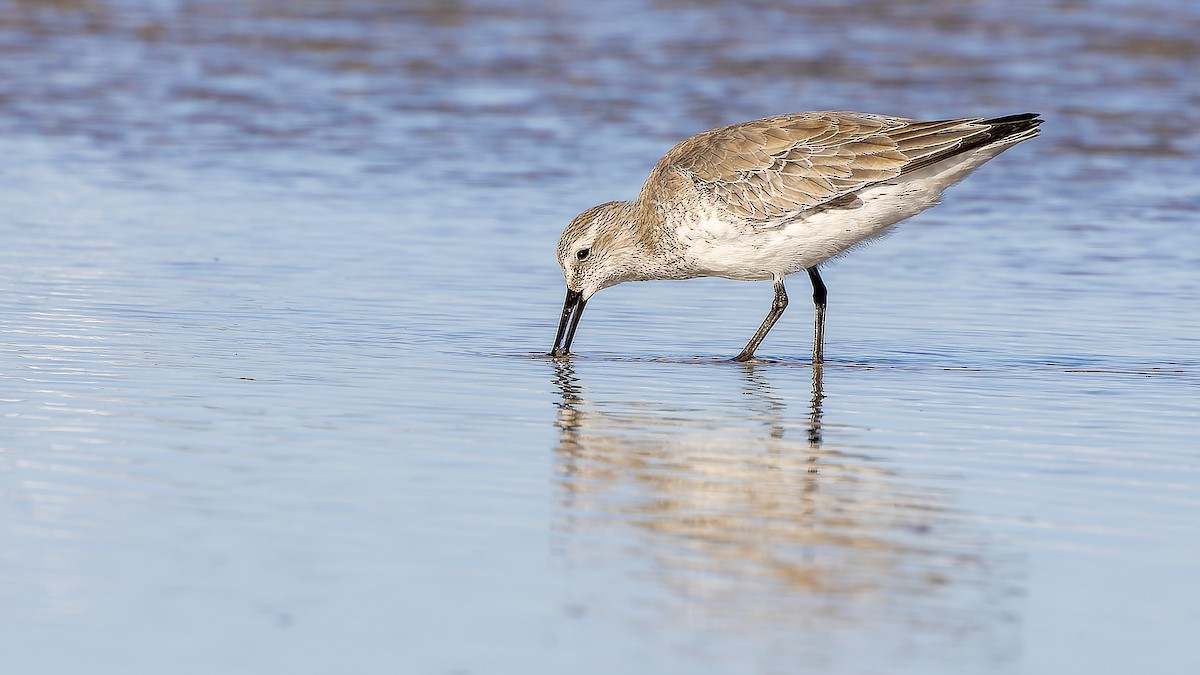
column 650, row 245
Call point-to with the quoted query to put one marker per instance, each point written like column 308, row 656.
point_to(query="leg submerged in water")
column 820, row 294
column 779, row 304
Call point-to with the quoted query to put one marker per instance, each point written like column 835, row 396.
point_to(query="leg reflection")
column 815, row 406
column 774, row 408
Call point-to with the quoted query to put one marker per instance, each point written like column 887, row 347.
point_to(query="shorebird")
column 766, row 198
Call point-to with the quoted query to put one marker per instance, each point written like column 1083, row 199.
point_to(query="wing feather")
column 782, row 166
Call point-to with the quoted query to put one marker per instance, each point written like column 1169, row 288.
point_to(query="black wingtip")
column 998, row 129
column 1034, row 118
column 1023, row 125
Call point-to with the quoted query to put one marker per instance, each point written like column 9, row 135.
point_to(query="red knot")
column 767, row 198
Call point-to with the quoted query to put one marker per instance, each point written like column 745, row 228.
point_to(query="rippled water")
column 275, row 278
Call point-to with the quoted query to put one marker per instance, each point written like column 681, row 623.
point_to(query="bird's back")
column 779, row 166
column 783, row 193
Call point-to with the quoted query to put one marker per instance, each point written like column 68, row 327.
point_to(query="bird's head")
column 600, row 248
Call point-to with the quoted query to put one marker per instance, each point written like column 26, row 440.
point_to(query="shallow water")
column 276, row 278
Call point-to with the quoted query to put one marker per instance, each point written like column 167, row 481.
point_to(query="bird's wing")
column 782, row 166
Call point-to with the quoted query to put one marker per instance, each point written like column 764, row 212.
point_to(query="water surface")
column 276, row 277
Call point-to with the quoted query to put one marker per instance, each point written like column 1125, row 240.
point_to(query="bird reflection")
column 748, row 507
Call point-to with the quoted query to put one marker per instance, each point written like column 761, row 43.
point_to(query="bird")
column 772, row 197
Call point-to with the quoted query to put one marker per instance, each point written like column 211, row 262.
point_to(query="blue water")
column 276, row 280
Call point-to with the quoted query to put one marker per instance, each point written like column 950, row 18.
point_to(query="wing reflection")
column 748, row 513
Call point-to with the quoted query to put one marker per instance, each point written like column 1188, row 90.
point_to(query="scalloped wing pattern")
column 782, row 166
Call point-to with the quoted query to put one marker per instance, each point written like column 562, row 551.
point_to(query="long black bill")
column 572, row 310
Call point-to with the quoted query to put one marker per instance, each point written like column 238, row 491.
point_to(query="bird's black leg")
column 819, row 296
column 777, row 306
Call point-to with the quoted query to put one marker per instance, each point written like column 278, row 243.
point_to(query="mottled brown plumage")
column 781, row 166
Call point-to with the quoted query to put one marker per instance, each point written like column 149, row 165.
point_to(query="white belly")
column 716, row 245
column 739, row 250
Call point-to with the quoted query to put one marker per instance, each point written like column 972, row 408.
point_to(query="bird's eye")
column 582, row 254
